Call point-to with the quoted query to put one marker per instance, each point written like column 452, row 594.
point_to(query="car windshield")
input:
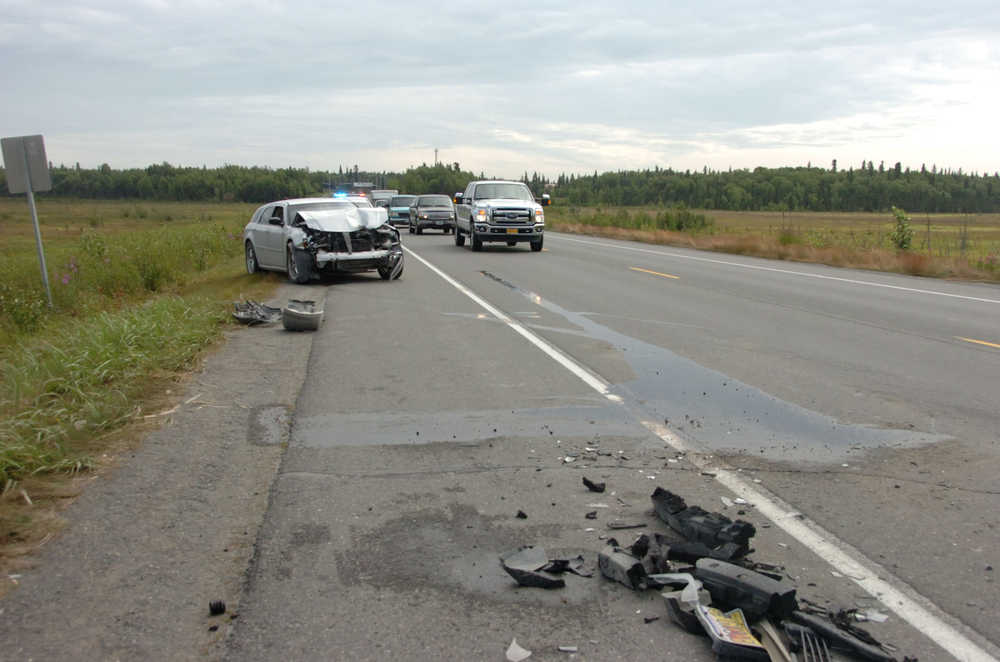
column 434, row 201
column 503, row 190
column 319, row 206
column 402, row 200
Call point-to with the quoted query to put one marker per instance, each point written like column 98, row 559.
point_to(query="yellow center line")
column 979, row 342
column 655, row 273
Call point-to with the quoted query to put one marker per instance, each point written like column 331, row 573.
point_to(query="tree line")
column 867, row 188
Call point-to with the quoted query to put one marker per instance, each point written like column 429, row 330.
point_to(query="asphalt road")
column 856, row 412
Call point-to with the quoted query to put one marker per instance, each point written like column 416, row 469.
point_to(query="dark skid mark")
column 722, row 414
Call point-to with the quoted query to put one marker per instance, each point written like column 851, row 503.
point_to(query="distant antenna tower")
column 435, row 156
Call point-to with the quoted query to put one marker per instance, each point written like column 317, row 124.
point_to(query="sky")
column 547, row 86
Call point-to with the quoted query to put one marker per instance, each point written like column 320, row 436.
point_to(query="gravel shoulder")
column 174, row 526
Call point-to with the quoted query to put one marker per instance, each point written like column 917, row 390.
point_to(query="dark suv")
column 432, row 211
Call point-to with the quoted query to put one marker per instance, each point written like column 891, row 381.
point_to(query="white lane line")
column 820, row 542
column 780, row 271
column 589, row 378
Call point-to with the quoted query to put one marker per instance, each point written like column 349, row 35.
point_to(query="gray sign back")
column 19, row 151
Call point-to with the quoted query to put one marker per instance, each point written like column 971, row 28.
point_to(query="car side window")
column 468, row 193
column 278, row 213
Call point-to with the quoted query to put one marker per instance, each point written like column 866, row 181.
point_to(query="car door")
column 272, row 238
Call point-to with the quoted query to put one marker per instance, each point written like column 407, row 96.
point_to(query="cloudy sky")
column 548, row 85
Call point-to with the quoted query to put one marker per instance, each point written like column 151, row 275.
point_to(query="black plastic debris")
column 681, row 604
column 698, row 525
column 591, row 515
column 618, row 565
column 594, row 487
column 522, row 515
column 525, row 566
column 216, row 607
column 251, row 313
column 840, row 638
column 754, row 593
column 640, row 547
column 690, row 552
column 574, row 565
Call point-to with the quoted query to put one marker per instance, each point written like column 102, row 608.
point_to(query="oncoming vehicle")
column 432, row 211
column 306, row 237
column 499, row 211
column 399, row 209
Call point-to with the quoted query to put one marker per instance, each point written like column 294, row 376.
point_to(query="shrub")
column 902, row 234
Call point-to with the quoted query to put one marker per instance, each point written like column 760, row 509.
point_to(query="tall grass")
column 135, row 301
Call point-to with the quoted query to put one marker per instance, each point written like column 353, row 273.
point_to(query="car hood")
column 507, row 202
column 343, row 220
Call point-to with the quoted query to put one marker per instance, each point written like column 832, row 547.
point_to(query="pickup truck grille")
column 506, row 216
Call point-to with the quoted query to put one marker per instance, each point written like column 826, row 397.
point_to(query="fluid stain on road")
column 721, row 414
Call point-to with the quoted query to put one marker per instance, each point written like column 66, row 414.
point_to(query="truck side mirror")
column 546, row 200
column 457, row 199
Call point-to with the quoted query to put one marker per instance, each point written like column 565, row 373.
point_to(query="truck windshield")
column 503, row 191
column 434, row 201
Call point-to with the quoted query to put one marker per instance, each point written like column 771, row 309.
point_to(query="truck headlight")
column 481, row 213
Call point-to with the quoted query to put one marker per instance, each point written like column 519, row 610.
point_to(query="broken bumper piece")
column 358, row 261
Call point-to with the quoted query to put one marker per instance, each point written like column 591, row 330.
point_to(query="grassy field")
column 944, row 245
column 140, row 291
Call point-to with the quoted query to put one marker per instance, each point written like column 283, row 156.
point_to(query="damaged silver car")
column 308, row 237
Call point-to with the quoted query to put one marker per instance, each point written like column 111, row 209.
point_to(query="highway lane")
column 424, row 423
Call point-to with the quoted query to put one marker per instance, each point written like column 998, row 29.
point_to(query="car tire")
column 477, row 243
column 391, row 273
column 420, row 230
column 411, row 229
column 459, row 238
column 537, row 245
column 252, row 265
column 297, row 265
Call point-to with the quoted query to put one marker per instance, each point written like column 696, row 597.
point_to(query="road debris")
column 522, row 515
column 591, row 515
column 618, row 565
column 253, row 313
column 752, row 592
column 594, row 487
column 568, row 649
column 625, row 524
column 699, row 525
column 216, row 607
column 730, row 634
column 301, row 315
column 525, row 566
column 515, row 653
column 574, row 565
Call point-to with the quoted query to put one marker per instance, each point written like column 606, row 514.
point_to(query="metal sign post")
column 27, row 171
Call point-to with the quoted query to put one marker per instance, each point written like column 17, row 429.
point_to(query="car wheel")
column 393, row 272
column 477, row 243
column 297, row 265
column 420, row 230
column 537, row 245
column 459, row 238
column 252, row 264
column 411, row 229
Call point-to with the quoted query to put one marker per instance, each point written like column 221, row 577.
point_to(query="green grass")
column 138, row 291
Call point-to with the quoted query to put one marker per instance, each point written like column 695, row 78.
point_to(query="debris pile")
column 296, row 315
column 749, row 610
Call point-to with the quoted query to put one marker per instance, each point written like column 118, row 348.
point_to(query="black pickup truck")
column 499, row 211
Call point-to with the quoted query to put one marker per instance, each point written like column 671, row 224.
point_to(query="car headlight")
column 423, row 216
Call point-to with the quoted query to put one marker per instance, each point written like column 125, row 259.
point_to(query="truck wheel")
column 477, row 243
column 537, row 245
column 459, row 237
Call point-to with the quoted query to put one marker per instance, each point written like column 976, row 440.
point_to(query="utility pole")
column 435, row 156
